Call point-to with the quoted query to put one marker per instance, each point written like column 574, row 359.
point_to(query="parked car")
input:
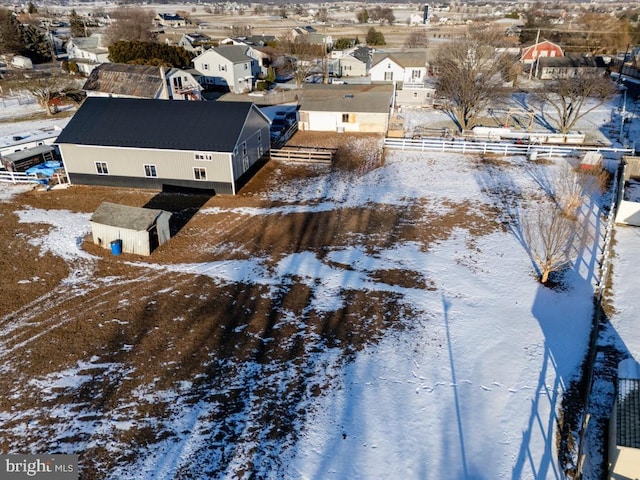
column 289, row 116
column 278, row 127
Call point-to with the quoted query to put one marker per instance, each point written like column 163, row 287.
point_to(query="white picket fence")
column 496, row 148
column 17, row 177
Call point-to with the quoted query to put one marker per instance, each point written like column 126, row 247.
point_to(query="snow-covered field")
column 471, row 390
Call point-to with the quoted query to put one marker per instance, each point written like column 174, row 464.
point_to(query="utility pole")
column 535, row 54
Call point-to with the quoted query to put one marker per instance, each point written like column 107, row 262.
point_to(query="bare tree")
column 469, row 77
column 548, row 234
column 602, row 33
column 573, row 98
column 46, row 87
column 416, row 39
column 303, row 58
column 131, row 24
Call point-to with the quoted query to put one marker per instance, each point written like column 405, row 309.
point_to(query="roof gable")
column 157, row 124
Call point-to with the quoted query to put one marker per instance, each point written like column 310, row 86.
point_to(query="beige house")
column 624, row 425
column 345, row 108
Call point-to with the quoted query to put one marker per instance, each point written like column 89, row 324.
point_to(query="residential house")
column 195, row 43
column 142, row 81
column 138, row 230
column 228, row 67
column 345, row 108
column 251, row 40
column 88, row 52
column 541, row 49
column 142, row 143
column 410, row 72
column 624, row 424
column 310, row 35
column 354, row 62
column 171, row 20
column 570, row 66
column 631, row 64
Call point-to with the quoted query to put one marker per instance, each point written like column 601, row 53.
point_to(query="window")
column 150, row 171
column 345, row 118
column 388, row 76
column 260, row 151
column 415, row 73
column 244, row 149
column 415, row 94
column 199, row 173
column 101, row 168
column 205, row 66
column 205, row 157
column 222, row 68
column 246, row 66
column 245, row 163
column 259, row 136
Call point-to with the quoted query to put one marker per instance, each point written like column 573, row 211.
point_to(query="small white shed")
column 140, row 230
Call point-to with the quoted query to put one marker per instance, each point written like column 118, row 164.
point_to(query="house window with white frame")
column 259, row 136
column 102, row 168
column 222, row 68
column 388, row 76
column 415, row 74
column 345, row 118
column 199, row 173
column 244, row 149
column 150, row 171
column 205, row 66
column 245, row 163
column 204, row 157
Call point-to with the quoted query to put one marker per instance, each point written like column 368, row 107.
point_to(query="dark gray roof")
column 346, row 98
column 572, row 61
column 233, row 53
column 628, row 413
column 157, row 124
column 124, row 216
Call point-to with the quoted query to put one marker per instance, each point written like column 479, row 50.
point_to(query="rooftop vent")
column 348, row 95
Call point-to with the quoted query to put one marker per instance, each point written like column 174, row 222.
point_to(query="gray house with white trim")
column 228, row 67
column 154, row 144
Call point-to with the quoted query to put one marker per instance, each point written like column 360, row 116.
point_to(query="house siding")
column 126, row 167
column 256, row 136
column 386, row 66
column 332, row 121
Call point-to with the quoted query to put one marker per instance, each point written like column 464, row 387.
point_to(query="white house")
column 345, row 108
column 410, row 72
column 170, row 20
column 229, row 67
column 354, row 62
column 88, row 52
column 195, row 42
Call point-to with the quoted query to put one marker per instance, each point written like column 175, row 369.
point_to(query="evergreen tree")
column 149, row 53
column 374, row 37
column 10, row 33
column 35, row 45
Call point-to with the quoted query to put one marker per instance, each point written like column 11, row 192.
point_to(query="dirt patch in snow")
column 127, row 334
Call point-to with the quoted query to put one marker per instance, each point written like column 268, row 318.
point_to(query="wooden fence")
column 305, row 154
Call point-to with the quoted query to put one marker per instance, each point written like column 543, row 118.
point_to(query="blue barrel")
column 116, row 247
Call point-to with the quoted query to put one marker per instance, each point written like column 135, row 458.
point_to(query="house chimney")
column 425, row 15
column 165, row 87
